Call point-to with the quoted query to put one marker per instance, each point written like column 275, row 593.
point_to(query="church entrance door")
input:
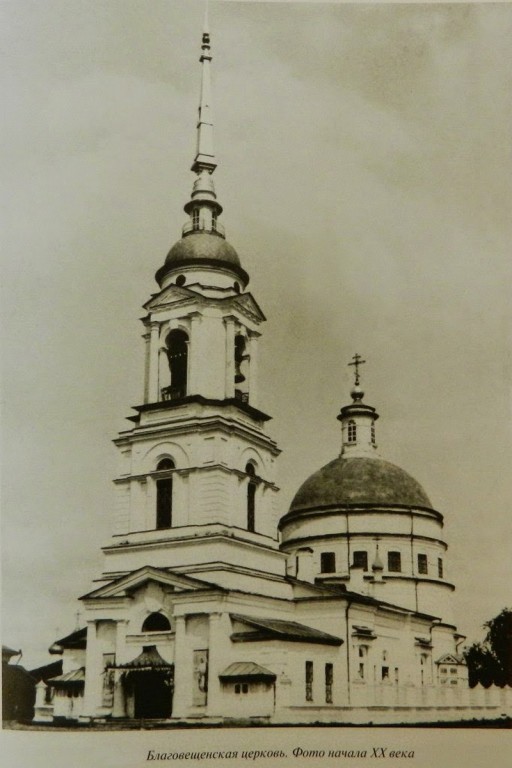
column 152, row 695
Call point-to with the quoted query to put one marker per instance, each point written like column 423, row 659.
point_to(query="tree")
column 490, row 662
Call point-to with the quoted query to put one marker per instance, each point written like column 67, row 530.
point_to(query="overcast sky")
column 365, row 174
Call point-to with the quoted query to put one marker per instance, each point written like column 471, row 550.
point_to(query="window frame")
column 309, row 676
column 394, row 561
column 329, row 681
column 327, row 562
column 364, row 564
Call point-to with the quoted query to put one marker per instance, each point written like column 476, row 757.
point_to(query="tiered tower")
column 196, row 488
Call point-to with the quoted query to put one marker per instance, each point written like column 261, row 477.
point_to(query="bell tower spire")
column 205, row 155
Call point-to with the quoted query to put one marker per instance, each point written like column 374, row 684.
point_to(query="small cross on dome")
column 357, row 361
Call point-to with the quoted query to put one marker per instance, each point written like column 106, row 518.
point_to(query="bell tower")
column 196, row 488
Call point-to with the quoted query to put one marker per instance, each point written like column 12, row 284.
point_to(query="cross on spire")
column 357, row 361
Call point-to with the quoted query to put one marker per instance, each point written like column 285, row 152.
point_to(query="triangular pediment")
column 175, row 295
column 247, row 304
column 450, row 658
column 126, row 585
column 171, row 296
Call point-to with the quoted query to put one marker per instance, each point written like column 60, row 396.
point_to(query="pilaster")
column 93, row 667
column 253, row 370
column 182, row 670
column 230, row 357
column 219, row 658
column 154, row 345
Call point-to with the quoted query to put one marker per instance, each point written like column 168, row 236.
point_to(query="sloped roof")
column 77, row 639
column 47, row 671
column 276, row 629
column 148, row 660
column 75, row 677
column 7, row 652
column 244, row 670
column 451, row 658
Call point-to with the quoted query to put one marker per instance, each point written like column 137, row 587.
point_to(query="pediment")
column 171, row 296
column 126, row 585
column 450, row 658
column 248, row 305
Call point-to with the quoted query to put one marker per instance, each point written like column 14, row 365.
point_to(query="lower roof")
column 246, row 670
column 277, row 629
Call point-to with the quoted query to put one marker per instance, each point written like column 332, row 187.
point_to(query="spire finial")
column 205, row 156
column 357, row 393
column 206, row 29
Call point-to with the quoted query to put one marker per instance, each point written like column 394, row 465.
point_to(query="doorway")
column 152, row 694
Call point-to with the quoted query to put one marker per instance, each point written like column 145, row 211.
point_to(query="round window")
column 181, row 280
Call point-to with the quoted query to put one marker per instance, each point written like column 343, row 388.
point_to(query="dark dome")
column 348, row 481
column 205, row 249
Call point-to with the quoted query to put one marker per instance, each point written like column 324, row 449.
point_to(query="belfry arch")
column 176, row 349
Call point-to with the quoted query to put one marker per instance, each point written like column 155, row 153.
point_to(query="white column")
column 218, row 659
column 119, row 703
column 150, row 504
column 146, row 337
column 253, row 371
column 138, row 505
column 118, row 707
column 164, row 374
column 154, row 344
column 194, row 356
column 230, row 357
column 182, row 670
column 93, row 670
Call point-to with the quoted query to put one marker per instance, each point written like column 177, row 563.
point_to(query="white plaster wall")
column 188, row 555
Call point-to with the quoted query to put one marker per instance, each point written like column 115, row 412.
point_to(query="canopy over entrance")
column 149, row 660
column 148, row 682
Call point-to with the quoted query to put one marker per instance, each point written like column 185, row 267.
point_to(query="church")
column 214, row 604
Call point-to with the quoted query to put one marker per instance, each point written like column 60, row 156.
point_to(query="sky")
column 365, row 174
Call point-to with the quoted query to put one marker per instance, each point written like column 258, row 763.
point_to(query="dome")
column 201, row 248
column 359, row 480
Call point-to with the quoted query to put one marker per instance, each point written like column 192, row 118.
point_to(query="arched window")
column 177, row 354
column 214, row 221
column 373, row 433
column 195, row 218
column 156, row 622
column 164, row 464
column 352, row 431
column 240, row 356
column 164, row 495
column 251, row 497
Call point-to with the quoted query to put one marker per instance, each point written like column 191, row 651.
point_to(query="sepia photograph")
column 256, row 377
